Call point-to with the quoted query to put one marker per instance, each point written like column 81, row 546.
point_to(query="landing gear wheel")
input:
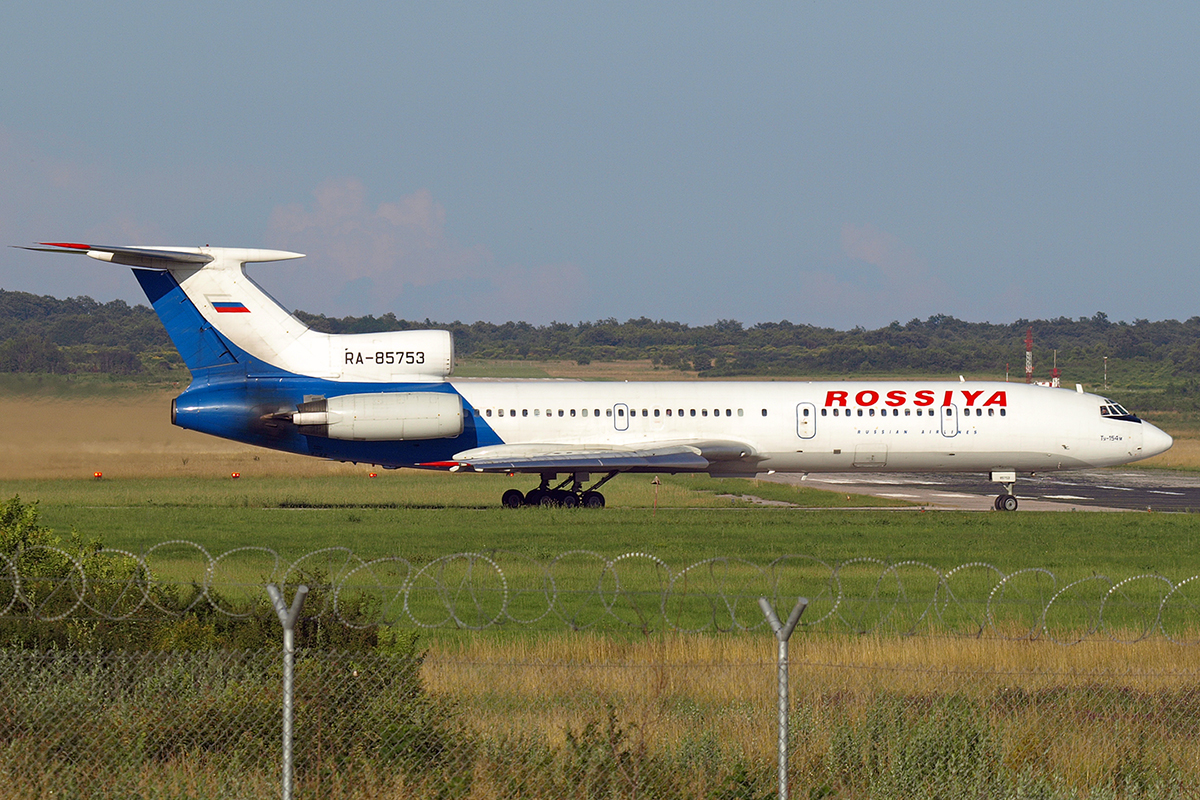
column 512, row 499
column 569, row 500
column 593, row 500
column 1006, row 502
column 534, row 497
column 547, row 500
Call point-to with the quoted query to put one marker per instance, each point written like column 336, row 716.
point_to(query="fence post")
column 783, row 632
column 288, row 618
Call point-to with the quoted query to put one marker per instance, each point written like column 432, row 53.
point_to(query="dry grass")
column 1066, row 711
column 129, row 437
column 1184, row 454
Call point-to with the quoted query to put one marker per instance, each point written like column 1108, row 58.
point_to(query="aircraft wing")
column 677, row 456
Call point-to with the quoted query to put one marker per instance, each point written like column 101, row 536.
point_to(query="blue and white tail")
column 219, row 318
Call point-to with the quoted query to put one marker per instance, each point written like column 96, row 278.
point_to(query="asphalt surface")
column 1088, row 490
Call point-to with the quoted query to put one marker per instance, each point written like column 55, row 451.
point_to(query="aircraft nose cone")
column 1154, row 440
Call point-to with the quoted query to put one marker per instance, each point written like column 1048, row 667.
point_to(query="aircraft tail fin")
column 214, row 313
column 217, row 316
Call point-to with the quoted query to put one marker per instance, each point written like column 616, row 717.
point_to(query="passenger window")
column 645, row 413
column 608, row 412
column 489, row 412
column 681, row 412
column 991, row 412
column 693, row 412
column 512, row 412
column 560, row 412
column 500, row 412
column 806, row 412
column 584, row 412
column 871, row 413
column 704, row 412
column 860, row 412
column 597, row 412
column 824, row 412
column 764, row 412
column 572, row 412
column 739, row 412
column 524, row 412
column 537, row 412
column 729, row 412
column 1002, row 412
column 656, row 412
column 668, row 412
column 620, row 412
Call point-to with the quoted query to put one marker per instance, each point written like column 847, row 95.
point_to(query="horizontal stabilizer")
column 165, row 257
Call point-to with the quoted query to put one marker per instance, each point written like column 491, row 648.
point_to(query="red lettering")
column 949, row 399
column 924, row 398
column 1000, row 398
column 837, row 398
column 867, row 397
column 895, row 397
column 971, row 396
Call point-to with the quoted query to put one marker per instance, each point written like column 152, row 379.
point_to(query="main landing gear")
column 574, row 497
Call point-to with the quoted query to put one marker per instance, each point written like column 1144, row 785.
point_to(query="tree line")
column 79, row 334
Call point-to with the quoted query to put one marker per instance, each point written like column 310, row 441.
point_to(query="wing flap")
column 552, row 457
column 566, row 458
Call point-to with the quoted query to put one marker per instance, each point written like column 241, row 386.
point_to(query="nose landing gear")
column 1006, row 500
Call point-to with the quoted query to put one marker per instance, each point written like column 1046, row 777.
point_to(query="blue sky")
column 834, row 164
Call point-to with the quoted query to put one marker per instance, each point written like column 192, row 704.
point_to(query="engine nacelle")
column 383, row 416
column 393, row 355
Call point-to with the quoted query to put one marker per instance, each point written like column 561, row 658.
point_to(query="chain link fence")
column 207, row 724
column 502, row 676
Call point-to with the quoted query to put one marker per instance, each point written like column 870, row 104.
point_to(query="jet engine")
column 383, row 416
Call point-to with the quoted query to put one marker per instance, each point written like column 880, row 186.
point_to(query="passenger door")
column 949, row 421
column 806, row 420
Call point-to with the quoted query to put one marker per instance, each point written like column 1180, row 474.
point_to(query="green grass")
column 423, row 516
column 501, row 369
column 85, row 385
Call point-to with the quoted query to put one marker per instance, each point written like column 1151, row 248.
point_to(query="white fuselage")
column 835, row 426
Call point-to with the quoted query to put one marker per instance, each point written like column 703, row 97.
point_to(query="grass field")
column 701, row 551
column 423, row 516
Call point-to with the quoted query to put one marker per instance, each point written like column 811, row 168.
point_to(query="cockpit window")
column 1115, row 411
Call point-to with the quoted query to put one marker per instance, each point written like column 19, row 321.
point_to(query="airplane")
column 262, row 377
